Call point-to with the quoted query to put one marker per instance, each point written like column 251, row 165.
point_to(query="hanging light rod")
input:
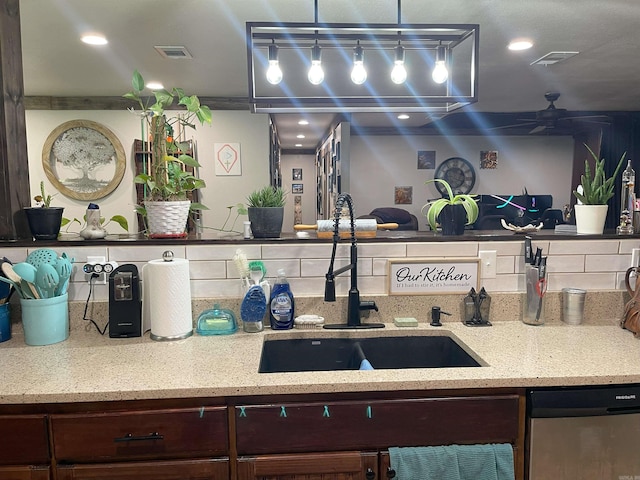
column 413, row 47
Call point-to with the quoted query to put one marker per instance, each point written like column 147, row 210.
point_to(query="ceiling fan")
column 553, row 120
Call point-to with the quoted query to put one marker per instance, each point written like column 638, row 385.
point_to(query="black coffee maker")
column 125, row 307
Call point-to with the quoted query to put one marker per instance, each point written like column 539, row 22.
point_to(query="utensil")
column 63, row 267
column 42, row 255
column 47, row 279
column 15, row 286
column 28, row 274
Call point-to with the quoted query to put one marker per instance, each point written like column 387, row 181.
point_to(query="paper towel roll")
column 167, row 299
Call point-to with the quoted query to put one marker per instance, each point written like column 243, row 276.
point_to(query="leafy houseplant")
column 167, row 179
column 597, row 190
column 44, row 220
column 462, row 207
column 266, row 211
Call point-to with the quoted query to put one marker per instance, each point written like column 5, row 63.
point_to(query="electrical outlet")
column 488, row 263
column 635, row 257
column 102, row 277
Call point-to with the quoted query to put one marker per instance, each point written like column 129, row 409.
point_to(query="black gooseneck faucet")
column 355, row 305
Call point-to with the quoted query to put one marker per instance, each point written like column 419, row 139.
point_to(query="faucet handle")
column 368, row 305
column 329, row 288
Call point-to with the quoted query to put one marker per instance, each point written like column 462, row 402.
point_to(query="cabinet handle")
column 391, row 473
column 130, row 438
column 370, row 474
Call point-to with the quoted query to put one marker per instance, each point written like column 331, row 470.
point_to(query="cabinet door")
column 23, row 440
column 319, row 466
column 214, row 469
column 25, row 473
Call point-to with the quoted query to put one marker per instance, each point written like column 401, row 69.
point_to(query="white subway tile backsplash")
column 607, row 263
column 586, row 281
column 583, row 246
column 144, row 254
column 566, row 263
column 386, row 250
column 626, row 246
column 503, row 248
column 201, row 270
column 443, row 249
column 505, row 264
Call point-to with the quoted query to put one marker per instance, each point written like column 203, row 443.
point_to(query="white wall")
column 541, row 164
column 251, row 131
column 307, row 164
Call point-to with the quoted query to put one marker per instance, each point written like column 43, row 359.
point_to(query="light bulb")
column 274, row 72
column 359, row 73
column 399, row 73
column 440, row 73
column 316, row 74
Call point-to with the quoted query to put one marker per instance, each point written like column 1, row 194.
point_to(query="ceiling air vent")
column 553, row 57
column 173, row 51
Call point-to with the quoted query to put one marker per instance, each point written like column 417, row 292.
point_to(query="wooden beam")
column 14, row 167
column 120, row 103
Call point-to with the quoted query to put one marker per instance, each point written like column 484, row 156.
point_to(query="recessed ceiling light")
column 298, row 144
column 520, row 44
column 154, row 86
column 299, row 136
column 403, row 116
column 303, row 122
column 94, row 39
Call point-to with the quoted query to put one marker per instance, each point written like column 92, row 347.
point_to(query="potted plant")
column 597, row 190
column 266, row 211
column 44, row 220
column 167, row 182
column 452, row 213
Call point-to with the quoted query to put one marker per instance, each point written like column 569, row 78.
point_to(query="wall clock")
column 458, row 173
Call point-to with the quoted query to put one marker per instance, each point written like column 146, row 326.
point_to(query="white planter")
column 590, row 218
column 167, row 219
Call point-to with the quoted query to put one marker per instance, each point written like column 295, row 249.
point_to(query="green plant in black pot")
column 266, row 211
column 44, row 220
column 452, row 213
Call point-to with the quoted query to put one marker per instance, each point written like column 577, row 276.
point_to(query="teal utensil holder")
column 45, row 321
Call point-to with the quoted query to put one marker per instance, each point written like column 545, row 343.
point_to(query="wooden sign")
column 429, row 276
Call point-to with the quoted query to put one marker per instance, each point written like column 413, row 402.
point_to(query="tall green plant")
column 597, row 189
column 167, row 178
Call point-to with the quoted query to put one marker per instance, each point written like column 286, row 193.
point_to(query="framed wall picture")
column 297, row 188
column 403, row 195
column 426, row 159
column 296, row 174
column 83, row 160
column 489, row 159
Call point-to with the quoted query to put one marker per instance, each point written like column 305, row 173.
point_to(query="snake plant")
column 597, row 189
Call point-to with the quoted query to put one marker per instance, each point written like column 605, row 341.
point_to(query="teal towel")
column 454, row 462
column 365, row 365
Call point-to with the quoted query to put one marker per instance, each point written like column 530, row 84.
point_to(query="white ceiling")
column 604, row 76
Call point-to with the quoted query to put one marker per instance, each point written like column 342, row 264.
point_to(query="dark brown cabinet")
column 24, row 447
column 213, row 469
column 351, row 438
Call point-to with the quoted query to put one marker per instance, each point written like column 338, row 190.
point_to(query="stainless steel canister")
column 573, row 305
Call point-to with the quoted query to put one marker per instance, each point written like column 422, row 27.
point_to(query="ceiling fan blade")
column 538, row 129
column 517, row 125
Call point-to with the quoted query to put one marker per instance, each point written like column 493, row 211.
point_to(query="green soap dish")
column 405, row 322
column 216, row 321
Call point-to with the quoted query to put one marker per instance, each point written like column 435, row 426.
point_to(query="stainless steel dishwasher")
column 590, row 433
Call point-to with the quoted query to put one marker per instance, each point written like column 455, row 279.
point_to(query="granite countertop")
column 88, row 367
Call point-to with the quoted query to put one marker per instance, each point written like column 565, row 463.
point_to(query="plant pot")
column 452, row 219
column 167, row 219
column 44, row 223
column 266, row 222
column 590, row 219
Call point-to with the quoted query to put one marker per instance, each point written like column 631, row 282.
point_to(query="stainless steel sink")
column 326, row 354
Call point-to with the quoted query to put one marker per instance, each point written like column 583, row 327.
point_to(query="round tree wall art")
column 83, row 160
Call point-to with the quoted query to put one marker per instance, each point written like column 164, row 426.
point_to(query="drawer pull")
column 391, row 473
column 370, row 474
column 130, row 438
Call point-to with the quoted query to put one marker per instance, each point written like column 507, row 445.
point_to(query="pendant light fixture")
column 399, row 72
column 359, row 73
column 286, row 45
column 316, row 73
column 440, row 72
column 274, row 72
